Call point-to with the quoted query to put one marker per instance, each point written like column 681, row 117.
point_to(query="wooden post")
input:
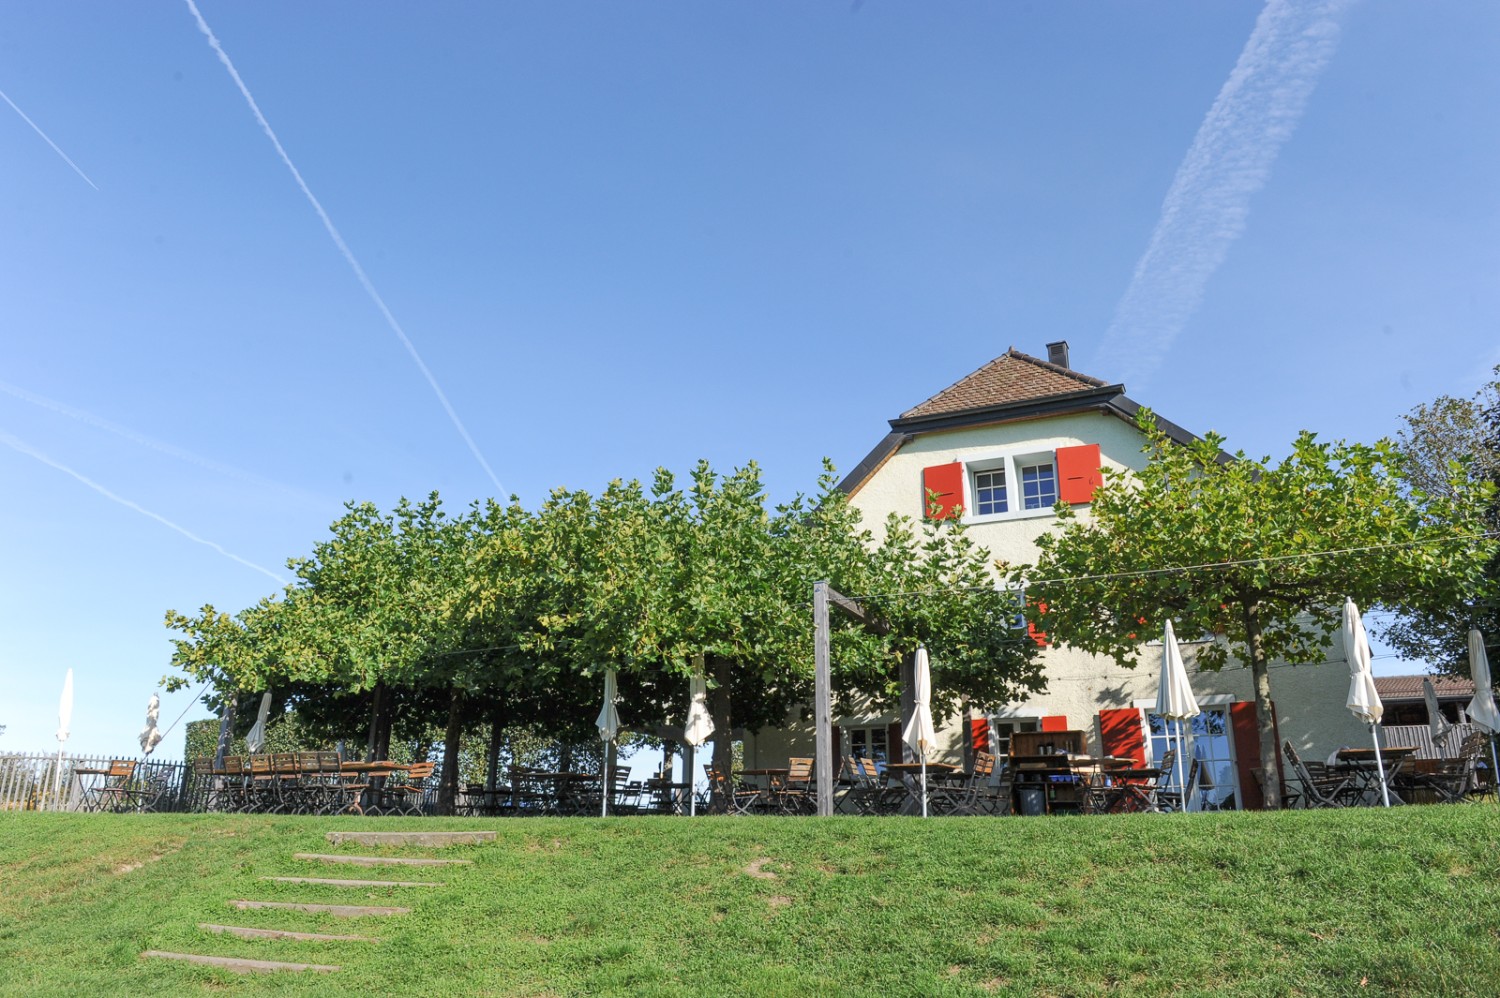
column 822, row 701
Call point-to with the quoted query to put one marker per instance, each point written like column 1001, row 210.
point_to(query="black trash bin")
column 1032, row 800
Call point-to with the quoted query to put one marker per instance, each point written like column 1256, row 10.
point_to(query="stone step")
column 357, row 883
column 236, row 964
column 432, row 840
column 379, row 860
column 245, row 932
column 341, row 910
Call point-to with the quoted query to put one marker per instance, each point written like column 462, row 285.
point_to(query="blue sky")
column 631, row 235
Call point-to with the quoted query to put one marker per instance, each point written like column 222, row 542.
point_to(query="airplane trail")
column 338, row 241
column 1206, row 208
column 140, row 438
column 36, row 128
column 17, row 445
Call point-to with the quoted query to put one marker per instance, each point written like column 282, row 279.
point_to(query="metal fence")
column 37, row 781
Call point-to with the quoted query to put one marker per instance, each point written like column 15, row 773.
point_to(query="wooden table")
column 1361, row 764
column 908, row 775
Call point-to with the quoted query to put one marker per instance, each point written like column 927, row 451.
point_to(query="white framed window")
column 870, row 742
column 1002, row 728
column 1004, row 485
column 989, row 492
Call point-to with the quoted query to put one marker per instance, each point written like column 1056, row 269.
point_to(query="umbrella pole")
column 1494, row 769
column 57, row 780
column 924, row 784
column 1385, row 794
column 1182, row 791
column 604, row 787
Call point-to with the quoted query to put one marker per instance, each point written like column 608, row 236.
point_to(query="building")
column 1005, row 444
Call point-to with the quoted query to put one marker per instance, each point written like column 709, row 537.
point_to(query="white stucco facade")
column 1309, row 699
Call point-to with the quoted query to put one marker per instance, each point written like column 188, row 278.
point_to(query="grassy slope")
column 1360, row 902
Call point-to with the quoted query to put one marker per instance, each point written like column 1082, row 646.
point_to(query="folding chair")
column 1320, row 787
column 114, row 793
column 407, row 794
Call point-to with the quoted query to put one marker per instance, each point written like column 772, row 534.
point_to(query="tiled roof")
column 1011, row 377
column 1410, row 687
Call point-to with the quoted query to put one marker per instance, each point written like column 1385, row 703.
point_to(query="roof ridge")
column 934, row 403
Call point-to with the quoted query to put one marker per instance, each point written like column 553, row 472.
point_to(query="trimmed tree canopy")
column 1260, row 553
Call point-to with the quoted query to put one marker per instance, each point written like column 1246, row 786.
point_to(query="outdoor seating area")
column 123, row 785
column 310, row 783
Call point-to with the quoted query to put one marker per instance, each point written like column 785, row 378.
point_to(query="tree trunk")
column 226, row 731
column 373, row 742
column 383, row 727
column 492, row 760
column 448, row 788
column 1265, row 720
column 901, row 753
column 719, row 712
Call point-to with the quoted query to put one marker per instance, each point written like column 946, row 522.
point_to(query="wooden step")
column 357, row 883
column 379, row 860
column 341, row 910
column 431, row 840
column 236, row 964
column 245, row 932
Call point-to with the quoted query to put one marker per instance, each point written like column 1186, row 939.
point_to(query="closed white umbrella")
column 1174, row 696
column 64, row 723
column 920, row 736
column 256, row 739
column 608, row 723
column 696, row 729
column 1436, row 723
column 150, row 735
column 1482, row 711
column 1363, row 700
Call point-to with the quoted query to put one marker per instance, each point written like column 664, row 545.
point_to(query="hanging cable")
column 1145, row 572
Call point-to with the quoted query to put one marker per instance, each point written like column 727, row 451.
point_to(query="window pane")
column 989, row 492
column 1038, row 486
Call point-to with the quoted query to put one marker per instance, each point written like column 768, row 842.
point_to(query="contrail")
column 1205, row 210
column 45, row 139
column 338, row 241
column 145, row 441
column 17, row 445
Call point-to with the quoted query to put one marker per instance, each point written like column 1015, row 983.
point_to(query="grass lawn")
column 1361, row 902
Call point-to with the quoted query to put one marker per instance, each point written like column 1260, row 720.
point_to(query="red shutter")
column 895, row 748
column 1247, row 752
column 943, row 487
column 1121, row 733
column 1056, row 722
column 1037, row 635
column 1078, row 473
column 979, row 734
column 838, row 747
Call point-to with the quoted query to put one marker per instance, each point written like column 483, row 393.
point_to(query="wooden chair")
column 407, row 793
column 1320, row 786
column 114, row 793
column 863, row 793
column 964, row 798
column 1453, row 780
column 795, row 794
column 1176, row 799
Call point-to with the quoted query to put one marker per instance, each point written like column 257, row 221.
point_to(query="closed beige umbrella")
column 1363, row 700
column 920, row 736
